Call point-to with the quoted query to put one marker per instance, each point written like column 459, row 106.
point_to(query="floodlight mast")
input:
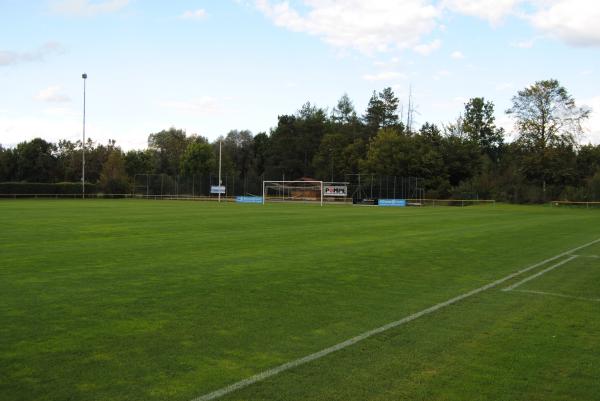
column 84, row 76
column 219, row 172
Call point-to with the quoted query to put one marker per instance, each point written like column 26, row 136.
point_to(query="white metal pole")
column 84, row 76
column 321, row 193
column 219, row 171
column 263, row 192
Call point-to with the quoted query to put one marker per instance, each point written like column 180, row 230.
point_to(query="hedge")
column 58, row 188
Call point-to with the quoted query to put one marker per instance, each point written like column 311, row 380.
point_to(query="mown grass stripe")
column 320, row 354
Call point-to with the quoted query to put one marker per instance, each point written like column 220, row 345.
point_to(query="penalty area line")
column 320, row 354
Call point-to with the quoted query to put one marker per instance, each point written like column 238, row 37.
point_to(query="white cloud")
column 54, row 124
column 194, row 14
column 457, row 55
column 505, row 86
column 427, row 48
column 525, row 44
column 203, row 105
column 491, row 10
column 384, row 76
column 8, row 57
column 441, row 74
column 52, row 94
column 577, row 22
column 87, row 8
column 592, row 126
column 367, row 26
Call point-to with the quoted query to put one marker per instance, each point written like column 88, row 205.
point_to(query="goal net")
column 294, row 191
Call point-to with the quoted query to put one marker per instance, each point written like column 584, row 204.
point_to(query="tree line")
column 468, row 156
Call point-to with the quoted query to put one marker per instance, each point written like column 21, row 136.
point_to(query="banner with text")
column 392, row 202
column 217, row 189
column 249, row 199
column 335, row 190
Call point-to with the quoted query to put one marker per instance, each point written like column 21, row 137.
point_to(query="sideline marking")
column 533, row 276
column 554, row 294
column 301, row 361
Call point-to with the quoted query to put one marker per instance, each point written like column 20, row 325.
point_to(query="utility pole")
column 220, row 171
column 84, row 76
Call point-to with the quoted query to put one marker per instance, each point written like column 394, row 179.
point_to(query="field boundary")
column 320, row 354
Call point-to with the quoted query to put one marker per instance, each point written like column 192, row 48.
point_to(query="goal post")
column 294, row 191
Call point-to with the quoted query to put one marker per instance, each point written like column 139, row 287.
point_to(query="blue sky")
column 216, row 65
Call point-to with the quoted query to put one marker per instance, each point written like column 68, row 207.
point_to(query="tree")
column 588, row 160
column 375, row 114
column 546, row 117
column 329, row 161
column 479, row 124
column 343, row 112
column 391, row 153
column 237, row 146
column 170, row 145
column 295, row 141
column 198, row 159
column 36, row 161
column 69, row 160
column 139, row 162
column 260, row 152
column 461, row 155
column 95, row 157
column 390, row 107
column 8, row 164
column 113, row 178
column 382, row 110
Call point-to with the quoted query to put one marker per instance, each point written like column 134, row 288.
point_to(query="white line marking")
column 554, row 294
column 512, row 287
column 301, row 361
column 588, row 256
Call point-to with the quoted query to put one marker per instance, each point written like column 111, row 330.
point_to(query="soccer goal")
column 294, row 191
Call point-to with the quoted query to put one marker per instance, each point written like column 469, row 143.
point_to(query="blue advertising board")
column 392, row 202
column 249, row 199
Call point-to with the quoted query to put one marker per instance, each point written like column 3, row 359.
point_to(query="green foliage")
column 35, row 161
column 479, row 124
column 113, row 178
column 260, row 152
column 382, row 111
column 59, row 188
column 344, row 112
column 170, row 145
column 546, row 116
column 198, row 159
column 295, row 141
column 237, row 147
column 8, row 164
column 140, row 162
column 543, row 163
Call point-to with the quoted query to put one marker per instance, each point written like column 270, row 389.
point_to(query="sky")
column 211, row 66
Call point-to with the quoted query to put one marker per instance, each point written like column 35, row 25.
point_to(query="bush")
column 59, row 188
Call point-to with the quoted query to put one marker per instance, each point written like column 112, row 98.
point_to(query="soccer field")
column 177, row 300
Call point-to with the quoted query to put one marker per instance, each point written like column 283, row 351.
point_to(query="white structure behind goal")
column 298, row 191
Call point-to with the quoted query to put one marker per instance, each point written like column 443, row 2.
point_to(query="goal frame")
column 283, row 183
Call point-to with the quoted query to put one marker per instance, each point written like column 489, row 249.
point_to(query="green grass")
column 157, row 300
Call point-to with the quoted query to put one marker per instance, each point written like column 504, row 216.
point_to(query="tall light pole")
column 84, row 76
column 220, row 171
